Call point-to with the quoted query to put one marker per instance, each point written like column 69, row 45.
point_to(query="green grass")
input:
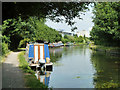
column 24, row 64
column 33, row 82
column 30, row 79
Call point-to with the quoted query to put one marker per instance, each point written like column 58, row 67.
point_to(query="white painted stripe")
column 41, row 52
column 36, row 53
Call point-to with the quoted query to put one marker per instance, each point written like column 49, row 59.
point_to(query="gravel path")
column 12, row 76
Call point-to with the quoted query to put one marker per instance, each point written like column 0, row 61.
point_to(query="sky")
column 85, row 24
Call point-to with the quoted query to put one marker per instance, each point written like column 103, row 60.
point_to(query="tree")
column 80, row 39
column 106, row 24
column 70, row 38
column 64, row 40
column 51, row 10
column 66, row 36
column 45, row 33
column 16, row 30
column 20, row 32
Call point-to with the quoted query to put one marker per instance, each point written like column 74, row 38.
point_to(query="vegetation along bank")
column 111, row 50
column 29, row 75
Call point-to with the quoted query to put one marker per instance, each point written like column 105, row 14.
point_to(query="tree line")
column 106, row 30
column 75, row 39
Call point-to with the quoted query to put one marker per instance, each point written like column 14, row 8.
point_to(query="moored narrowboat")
column 38, row 55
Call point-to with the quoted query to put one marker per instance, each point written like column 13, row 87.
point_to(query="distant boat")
column 61, row 44
column 51, row 45
column 69, row 44
column 56, row 44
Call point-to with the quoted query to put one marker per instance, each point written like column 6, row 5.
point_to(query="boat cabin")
column 38, row 53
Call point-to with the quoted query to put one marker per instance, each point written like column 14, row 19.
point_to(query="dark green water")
column 79, row 67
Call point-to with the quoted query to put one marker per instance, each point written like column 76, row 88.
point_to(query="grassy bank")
column 29, row 75
column 112, row 50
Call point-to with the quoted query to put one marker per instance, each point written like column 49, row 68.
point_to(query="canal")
column 80, row 67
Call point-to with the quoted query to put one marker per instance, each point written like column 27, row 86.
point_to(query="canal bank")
column 110, row 50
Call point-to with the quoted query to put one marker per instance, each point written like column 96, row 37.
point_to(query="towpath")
column 12, row 76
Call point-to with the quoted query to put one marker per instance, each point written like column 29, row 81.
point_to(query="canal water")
column 80, row 67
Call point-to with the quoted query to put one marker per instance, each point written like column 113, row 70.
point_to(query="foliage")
column 45, row 33
column 18, row 32
column 106, row 30
column 64, row 40
column 75, row 38
column 4, row 48
column 65, row 37
column 15, row 30
column 24, row 64
column 51, row 10
column 107, row 85
column 23, row 42
column 3, row 45
column 78, row 39
column 70, row 38
column 5, row 39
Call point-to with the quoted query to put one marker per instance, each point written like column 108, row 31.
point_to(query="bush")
column 70, row 38
column 23, row 42
column 65, row 40
column 4, row 48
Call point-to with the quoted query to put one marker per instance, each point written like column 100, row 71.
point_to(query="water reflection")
column 55, row 54
column 107, row 70
column 81, row 50
column 43, row 76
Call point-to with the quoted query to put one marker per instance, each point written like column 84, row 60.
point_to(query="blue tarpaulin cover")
column 31, row 51
column 46, row 51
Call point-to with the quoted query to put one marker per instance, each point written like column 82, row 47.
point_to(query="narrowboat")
column 38, row 55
